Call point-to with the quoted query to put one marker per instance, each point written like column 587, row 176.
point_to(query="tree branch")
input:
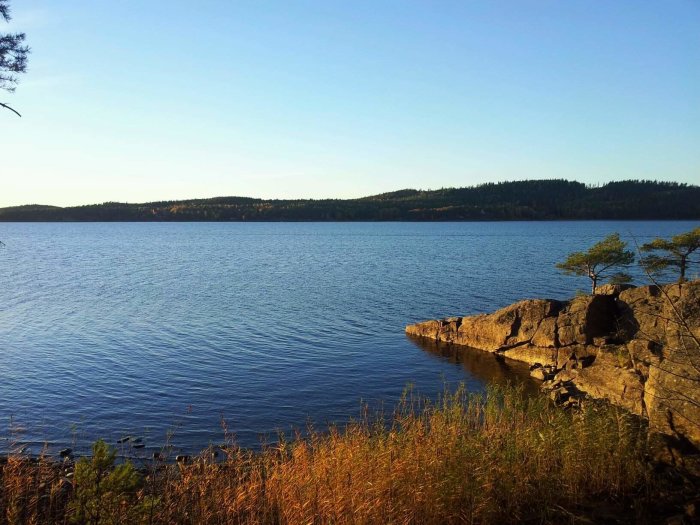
column 8, row 107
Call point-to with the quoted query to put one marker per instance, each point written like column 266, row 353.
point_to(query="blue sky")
column 148, row 100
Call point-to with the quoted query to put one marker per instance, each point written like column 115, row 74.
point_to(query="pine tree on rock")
column 603, row 256
column 675, row 253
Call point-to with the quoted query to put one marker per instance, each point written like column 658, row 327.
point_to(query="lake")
column 160, row 330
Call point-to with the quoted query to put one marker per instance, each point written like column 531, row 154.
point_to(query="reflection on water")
column 486, row 367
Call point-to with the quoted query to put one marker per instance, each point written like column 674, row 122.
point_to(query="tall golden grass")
column 501, row 457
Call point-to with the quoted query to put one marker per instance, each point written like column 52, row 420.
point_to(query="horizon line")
column 417, row 190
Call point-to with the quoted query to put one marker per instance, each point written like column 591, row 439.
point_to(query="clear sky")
column 147, row 100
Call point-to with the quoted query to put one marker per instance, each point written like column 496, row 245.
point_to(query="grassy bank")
column 499, row 458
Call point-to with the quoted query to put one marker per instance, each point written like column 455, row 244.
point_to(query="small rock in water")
column 65, row 452
column 123, row 439
column 138, row 445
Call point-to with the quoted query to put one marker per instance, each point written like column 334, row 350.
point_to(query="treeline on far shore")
column 519, row 200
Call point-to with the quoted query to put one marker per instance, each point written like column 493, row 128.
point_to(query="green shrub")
column 103, row 493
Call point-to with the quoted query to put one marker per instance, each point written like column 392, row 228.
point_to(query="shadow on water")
column 485, row 367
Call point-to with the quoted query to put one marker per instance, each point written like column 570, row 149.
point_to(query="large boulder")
column 654, row 313
column 546, row 333
column 510, row 326
column 485, row 332
column 622, row 387
column 533, row 355
column 672, row 397
column 514, row 325
column 439, row 330
column 642, row 314
column 612, row 289
column 668, row 320
column 585, row 318
column 427, row 329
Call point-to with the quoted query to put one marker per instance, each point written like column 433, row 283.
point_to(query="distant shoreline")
column 533, row 200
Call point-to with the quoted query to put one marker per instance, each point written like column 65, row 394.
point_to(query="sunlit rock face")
column 511, row 326
column 636, row 347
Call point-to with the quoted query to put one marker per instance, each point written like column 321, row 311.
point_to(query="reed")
column 500, row 457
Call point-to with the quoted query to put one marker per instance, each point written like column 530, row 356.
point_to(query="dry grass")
column 499, row 458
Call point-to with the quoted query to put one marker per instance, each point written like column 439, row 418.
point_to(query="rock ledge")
column 636, row 347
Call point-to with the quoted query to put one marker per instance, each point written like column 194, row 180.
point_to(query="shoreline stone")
column 636, row 347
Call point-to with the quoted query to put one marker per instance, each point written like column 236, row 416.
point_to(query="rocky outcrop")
column 636, row 347
column 510, row 327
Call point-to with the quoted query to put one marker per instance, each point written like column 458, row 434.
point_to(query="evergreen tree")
column 13, row 55
column 602, row 256
column 674, row 253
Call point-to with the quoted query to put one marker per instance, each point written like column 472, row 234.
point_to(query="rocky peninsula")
column 636, row 347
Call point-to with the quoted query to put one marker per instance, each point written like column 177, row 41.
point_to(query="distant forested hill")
column 522, row 200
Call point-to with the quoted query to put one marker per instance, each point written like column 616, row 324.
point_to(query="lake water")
column 157, row 329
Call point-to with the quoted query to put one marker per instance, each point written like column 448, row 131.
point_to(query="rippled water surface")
column 157, row 328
